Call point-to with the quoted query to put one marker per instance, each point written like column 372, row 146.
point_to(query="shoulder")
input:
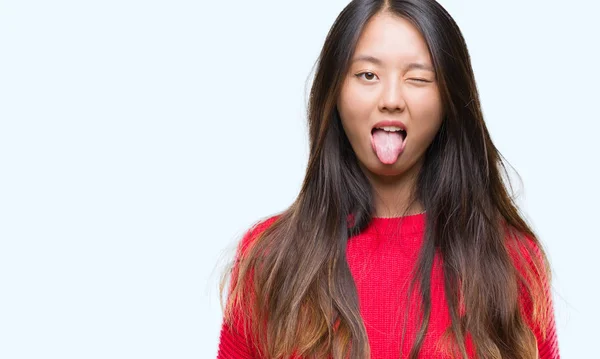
column 527, row 252
column 532, row 266
column 254, row 231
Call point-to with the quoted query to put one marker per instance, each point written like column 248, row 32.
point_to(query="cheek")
column 356, row 102
column 426, row 113
column 426, row 101
column 354, row 110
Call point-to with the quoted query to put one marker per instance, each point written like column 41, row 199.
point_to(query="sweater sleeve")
column 233, row 344
column 235, row 340
column 548, row 346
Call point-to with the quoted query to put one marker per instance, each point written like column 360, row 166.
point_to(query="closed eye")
column 420, row 80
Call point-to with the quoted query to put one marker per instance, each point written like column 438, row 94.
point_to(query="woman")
column 404, row 241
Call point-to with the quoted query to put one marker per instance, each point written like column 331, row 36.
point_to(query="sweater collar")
column 395, row 226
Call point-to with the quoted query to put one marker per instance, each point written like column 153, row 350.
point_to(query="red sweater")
column 380, row 259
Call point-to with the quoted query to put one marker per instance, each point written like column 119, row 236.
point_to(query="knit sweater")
column 381, row 258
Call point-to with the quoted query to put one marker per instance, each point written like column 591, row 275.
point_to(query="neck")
column 394, row 196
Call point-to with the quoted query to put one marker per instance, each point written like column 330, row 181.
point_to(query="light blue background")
column 139, row 139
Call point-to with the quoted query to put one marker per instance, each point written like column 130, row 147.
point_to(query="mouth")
column 388, row 140
column 390, row 126
column 390, row 129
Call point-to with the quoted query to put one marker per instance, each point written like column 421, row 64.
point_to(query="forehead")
column 392, row 39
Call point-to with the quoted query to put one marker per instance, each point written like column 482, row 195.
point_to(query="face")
column 390, row 78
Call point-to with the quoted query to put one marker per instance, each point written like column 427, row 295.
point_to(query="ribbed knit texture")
column 381, row 259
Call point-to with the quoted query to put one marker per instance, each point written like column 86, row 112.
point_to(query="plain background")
column 140, row 139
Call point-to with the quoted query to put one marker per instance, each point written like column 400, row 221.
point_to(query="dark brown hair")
column 293, row 282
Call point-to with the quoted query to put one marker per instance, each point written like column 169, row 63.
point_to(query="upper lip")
column 389, row 123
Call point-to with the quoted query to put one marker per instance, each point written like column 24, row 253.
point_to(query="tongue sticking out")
column 387, row 145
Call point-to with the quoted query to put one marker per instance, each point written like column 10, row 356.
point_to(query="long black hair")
column 294, row 282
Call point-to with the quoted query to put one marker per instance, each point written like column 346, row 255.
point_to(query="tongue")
column 387, row 145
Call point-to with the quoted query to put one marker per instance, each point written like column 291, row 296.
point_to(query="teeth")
column 390, row 128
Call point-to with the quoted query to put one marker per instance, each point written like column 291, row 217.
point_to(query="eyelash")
column 368, row 72
column 363, row 73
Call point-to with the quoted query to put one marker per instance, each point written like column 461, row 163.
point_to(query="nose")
column 391, row 99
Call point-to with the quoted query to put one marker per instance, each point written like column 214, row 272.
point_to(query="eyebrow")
column 410, row 66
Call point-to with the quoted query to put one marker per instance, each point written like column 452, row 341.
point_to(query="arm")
column 548, row 346
column 233, row 344
column 235, row 340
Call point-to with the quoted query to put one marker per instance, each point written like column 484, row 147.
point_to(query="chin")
column 389, row 170
column 377, row 168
